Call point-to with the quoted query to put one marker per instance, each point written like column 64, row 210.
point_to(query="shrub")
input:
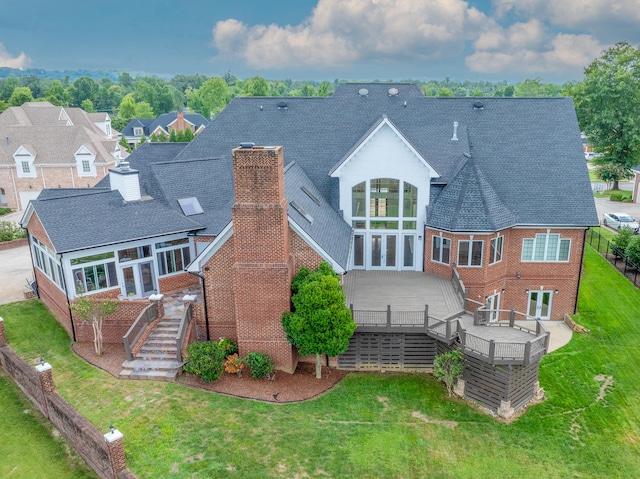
column 5, row 211
column 260, row 365
column 616, row 196
column 448, row 367
column 234, row 364
column 229, row 345
column 633, row 251
column 623, row 238
column 10, row 231
column 205, row 360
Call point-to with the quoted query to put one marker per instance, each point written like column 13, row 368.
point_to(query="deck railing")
column 138, row 327
column 182, row 330
column 458, row 285
column 498, row 352
column 404, row 321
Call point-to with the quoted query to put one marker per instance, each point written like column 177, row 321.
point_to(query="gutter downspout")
column 584, row 246
column 204, row 298
column 66, row 293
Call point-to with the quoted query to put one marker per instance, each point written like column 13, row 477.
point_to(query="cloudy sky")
column 319, row 39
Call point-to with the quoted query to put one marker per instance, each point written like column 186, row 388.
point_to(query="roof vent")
column 363, row 92
column 478, row 105
column 124, row 165
column 247, row 144
column 261, row 107
column 455, row 131
column 282, row 105
column 393, row 92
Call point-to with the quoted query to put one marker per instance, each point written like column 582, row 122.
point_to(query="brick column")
column 262, row 268
column 158, row 299
column 45, row 378
column 116, row 451
column 3, row 336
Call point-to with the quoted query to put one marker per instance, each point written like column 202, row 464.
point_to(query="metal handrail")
column 182, row 330
column 138, row 327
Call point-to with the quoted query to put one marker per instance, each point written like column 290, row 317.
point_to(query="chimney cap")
column 247, row 144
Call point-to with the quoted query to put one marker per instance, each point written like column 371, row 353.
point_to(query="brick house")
column 47, row 146
column 376, row 178
column 176, row 121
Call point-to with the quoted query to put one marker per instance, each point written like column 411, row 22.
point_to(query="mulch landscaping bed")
column 284, row 388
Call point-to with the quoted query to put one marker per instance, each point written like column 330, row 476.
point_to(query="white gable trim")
column 65, row 117
column 316, row 247
column 213, row 247
column 186, row 121
column 385, row 121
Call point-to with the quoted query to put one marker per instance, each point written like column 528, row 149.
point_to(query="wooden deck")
column 402, row 290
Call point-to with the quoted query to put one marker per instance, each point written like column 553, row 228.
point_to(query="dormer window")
column 108, row 128
column 85, row 163
column 137, row 131
column 24, row 159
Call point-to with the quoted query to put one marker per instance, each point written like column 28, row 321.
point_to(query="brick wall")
column 263, row 266
column 106, row 459
column 177, row 281
column 4, row 245
column 514, row 276
column 302, row 253
column 55, row 299
column 116, row 325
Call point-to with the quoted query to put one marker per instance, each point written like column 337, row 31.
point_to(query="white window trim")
column 83, row 154
column 442, row 238
column 41, row 252
column 469, row 265
column 492, row 260
column 138, row 131
column 23, row 155
column 533, row 249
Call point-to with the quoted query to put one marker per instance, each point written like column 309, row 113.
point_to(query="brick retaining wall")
column 13, row 244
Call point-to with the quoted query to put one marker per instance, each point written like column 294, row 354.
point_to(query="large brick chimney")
column 262, row 268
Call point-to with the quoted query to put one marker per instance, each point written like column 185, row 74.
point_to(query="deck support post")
column 512, row 318
column 426, row 318
column 527, row 353
column 492, row 350
column 388, row 317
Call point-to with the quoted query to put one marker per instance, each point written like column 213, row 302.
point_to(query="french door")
column 494, row 307
column 139, row 279
column 540, row 304
column 384, row 248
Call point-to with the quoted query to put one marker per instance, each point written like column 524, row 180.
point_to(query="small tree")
column 622, row 239
column 321, row 322
column 448, row 367
column 633, row 251
column 94, row 312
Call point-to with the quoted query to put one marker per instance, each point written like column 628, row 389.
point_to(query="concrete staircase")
column 157, row 359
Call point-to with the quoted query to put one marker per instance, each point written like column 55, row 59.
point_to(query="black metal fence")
column 615, row 256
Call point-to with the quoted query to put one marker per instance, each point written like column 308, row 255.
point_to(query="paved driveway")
column 15, row 269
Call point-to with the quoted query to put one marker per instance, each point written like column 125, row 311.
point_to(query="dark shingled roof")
column 469, row 203
column 326, row 227
column 102, row 218
column 528, row 149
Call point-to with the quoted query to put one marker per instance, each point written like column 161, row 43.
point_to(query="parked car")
column 620, row 220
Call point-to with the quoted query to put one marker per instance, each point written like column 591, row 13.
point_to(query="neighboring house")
column 378, row 178
column 47, row 146
column 176, row 121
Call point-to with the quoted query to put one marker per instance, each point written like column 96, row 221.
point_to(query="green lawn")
column 378, row 425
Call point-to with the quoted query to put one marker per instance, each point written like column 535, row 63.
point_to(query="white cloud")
column 574, row 13
column 507, row 50
column 21, row 62
column 340, row 32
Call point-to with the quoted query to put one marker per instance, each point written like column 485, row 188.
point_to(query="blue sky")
column 319, row 39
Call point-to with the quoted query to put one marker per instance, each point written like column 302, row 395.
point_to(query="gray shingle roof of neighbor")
column 73, row 222
column 150, row 124
column 327, row 228
column 528, row 149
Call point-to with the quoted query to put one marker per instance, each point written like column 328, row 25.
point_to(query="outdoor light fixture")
column 111, row 428
column 503, row 290
column 526, row 291
column 556, row 291
column 189, row 292
column 518, row 275
column 41, row 361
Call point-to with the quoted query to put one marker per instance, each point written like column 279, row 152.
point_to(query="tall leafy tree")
column 9, row 84
column 210, row 98
column 257, row 86
column 608, row 106
column 82, row 89
column 321, row 323
column 127, row 108
column 56, row 94
column 20, row 95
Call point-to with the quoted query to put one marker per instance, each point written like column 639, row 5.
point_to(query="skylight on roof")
column 315, row 199
column 190, row 206
column 302, row 211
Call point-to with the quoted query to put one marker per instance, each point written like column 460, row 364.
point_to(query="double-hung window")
column 546, row 247
column 173, row 256
column 470, row 252
column 441, row 249
column 495, row 253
